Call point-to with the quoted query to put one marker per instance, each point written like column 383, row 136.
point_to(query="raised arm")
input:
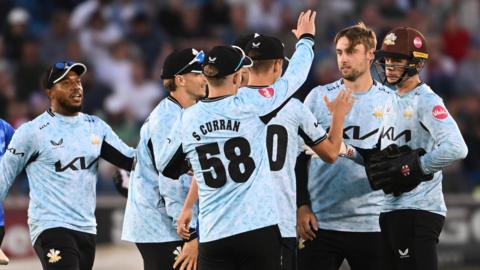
column 274, row 97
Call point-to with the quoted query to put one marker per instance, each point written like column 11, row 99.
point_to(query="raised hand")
column 342, row 103
column 305, row 24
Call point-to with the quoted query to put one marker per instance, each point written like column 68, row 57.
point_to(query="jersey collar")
column 215, row 98
column 257, row 86
column 174, row 100
column 50, row 112
column 63, row 118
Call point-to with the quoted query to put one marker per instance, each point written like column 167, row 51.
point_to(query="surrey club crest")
column 390, row 39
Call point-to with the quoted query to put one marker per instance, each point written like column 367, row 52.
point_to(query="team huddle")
column 232, row 172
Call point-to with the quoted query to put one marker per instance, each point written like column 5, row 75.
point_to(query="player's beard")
column 353, row 75
column 70, row 108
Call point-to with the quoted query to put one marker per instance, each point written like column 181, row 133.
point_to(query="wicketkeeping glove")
column 396, row 169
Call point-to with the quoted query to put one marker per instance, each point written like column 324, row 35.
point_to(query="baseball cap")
column 182, row 62
column 265, row 48
column 243, row 41
column 59, row 70
column 227, row 60
column 403, row 42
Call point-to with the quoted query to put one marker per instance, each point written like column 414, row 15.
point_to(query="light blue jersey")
column 419, row 119
column 60, row 155
column 283, row 147
column 154, row 202
column 6, row 133
column 340, row 195
column 224, row 140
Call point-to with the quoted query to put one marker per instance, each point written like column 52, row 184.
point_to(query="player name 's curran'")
column 222, row 124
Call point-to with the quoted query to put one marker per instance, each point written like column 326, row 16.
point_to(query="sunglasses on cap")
column 242, row 58
column 64, row 65
column 60, row 65
column 199, row 58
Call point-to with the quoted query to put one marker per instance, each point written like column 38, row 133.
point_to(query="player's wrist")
column 346, row 150
column 308, row 36
column 193, row 234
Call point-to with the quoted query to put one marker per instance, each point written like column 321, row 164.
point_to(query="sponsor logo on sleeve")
column 439, row 112
column 15, row 152
column 267, row 92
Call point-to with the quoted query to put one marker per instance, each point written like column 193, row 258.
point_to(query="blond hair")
column 358, row 34
column 170, row 84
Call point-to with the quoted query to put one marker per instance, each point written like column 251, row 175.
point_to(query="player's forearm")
column 7, row 176
column 122, row 158
column 299, row 65
column 352, row 153
column 335, row 136
column 192, row 195
column 301, row 174
column 446, row 154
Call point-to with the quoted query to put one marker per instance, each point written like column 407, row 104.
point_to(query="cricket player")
column 419, row 139
column 60, row 150
column 154, row 204
column 223, row 137
column 338, row 211
column 293, row 126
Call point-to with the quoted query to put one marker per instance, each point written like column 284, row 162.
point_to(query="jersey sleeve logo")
column 439, row 112
column 267, row 92
column 15, row 152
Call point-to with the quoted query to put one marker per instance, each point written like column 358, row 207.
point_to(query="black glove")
column 396, row 169
column 366, row 153
column 118, row 180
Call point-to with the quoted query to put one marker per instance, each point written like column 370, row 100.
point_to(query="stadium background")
column 124, row 43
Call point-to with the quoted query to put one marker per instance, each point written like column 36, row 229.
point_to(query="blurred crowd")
column 124, row 43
